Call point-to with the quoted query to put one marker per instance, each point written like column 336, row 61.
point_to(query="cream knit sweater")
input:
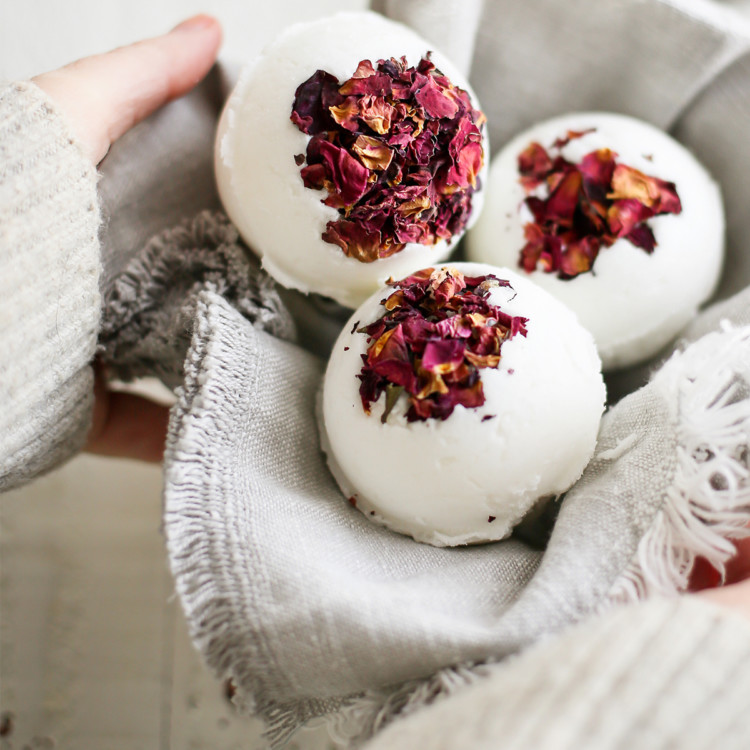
column 49, row 286
column 665, row 674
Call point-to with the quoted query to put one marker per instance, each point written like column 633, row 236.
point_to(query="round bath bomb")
column 614, row 218
column 349, row 152
column 456, row 399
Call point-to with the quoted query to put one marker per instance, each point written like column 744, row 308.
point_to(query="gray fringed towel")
column 292, row 593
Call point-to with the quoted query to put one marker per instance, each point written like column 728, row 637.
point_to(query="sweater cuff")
column 664, row 674
column 49, row 285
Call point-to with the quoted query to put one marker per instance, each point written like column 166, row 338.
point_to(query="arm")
column 664, row 674
column 53, row 131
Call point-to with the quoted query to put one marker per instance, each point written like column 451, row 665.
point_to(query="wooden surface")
column 95, row 652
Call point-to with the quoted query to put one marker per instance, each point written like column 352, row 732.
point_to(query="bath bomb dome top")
column 350, row 151
column 457, row 398
column 613, row 217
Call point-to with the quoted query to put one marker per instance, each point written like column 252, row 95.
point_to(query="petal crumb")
column 588, row 206
column 398, row 151
column 438, row 330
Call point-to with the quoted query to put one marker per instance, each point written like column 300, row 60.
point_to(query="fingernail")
column 196, row 23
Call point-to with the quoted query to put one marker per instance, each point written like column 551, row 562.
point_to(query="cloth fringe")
column 708, row 502
column 367, row 714
column 706, row 505
column 149, row 309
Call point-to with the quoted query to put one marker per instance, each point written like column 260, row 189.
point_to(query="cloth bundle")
column 309, row 608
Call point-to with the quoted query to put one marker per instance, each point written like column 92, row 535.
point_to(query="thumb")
column 105, row 95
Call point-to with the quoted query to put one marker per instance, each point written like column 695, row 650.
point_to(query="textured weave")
column 670, row 672
column 49, row 277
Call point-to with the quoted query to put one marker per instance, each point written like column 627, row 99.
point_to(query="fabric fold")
column 309, row 608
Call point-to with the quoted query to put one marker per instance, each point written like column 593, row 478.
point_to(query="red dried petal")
column 390, row 345
column 412, row 177
column 314, row 176
column 464, row 173
column 398, row 373
column 598, row 167
column 376, row 84
column 471, row 397
column 348, row 174
column 579, row 256
column 588, row 206
column 642, row 236
column 534, row 162
column 356, row 242
column 650, row 191
column 373, row 153
column 434, row 101
column 364, row 70
column 346, row 113
column 438, row 331
column 571, row 136
column 376, row 113
column 443, row 356
column 563, row 201
column 457, row 326
column 624, row 215
column 308, row 113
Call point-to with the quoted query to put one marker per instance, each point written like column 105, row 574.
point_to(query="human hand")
column 103, row 97
column 734, row 593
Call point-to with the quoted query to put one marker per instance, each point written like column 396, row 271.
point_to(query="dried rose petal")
column 398, row 151
column 589, row 206
column 374, row 154
column 438, row 330
column 346, row 113
column 308, row 112
column 357, row 242
column 650, row 191
column 349, row 175
column 571, row 136
column 535, row 164
column 433, row 99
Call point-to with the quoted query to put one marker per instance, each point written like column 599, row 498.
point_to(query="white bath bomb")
column 527, row 430
column 388, row 180
column 633, row 301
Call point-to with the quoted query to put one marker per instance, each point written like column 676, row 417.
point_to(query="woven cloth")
column 292, row 593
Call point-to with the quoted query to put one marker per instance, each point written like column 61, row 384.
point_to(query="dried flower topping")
column 589, row 205
column 438, row 331
column 397, row 149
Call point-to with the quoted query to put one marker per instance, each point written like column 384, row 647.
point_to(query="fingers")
column 105, row 95
column 735, row 597
column 738, row 568
column 127, row 426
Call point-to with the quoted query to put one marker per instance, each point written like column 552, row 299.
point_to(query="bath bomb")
column 350, row 151
column 613, row 217
column 458, row 398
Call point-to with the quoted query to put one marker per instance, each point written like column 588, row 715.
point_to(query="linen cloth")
column 292, row 593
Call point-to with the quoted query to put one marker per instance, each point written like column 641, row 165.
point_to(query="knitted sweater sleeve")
column 665, row 674
column 49, row 286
